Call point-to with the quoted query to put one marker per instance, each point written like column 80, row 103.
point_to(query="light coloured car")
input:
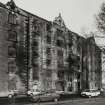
column 8, row 94
column 90, row 93
column 60, row 92
column 33, row 92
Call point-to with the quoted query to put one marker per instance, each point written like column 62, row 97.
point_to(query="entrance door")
column 69, row 83
column 78, row 82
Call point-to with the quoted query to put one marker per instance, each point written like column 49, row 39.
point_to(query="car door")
column 45, row 97
column 93, row 93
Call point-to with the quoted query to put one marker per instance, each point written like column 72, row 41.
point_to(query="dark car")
column 45, row 96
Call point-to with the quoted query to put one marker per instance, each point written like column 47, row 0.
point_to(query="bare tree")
column 100, row 19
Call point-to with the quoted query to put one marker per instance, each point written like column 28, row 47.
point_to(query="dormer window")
column 12, row 18
column 59, row 21
column 36, row 26
column 48, row 27
column 11, row 5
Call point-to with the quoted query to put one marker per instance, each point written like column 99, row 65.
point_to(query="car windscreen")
column 86, row 90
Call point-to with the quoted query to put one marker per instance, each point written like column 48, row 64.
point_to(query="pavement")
column 4, row 100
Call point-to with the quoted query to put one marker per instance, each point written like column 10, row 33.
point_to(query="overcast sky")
column 77, row 14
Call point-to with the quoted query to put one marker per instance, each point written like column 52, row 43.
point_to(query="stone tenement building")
column 103, row 69
column 35, row 51
column 93, row 67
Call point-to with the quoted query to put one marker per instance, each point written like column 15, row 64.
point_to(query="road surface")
column 79, row 101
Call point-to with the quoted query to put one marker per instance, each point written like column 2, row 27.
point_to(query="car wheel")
column 10, row 96
column 90, row 96
column 31, row 94
column 38, row 100
column 33, row 100
column 55, row 99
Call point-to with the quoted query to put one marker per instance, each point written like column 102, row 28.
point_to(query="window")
column 60, row 53
column 11, row 65
column 12, row 18
column 35, row 45
column 48, row 73
column 35, row 42
column 35, row 74
column 59, row 43
column 11, row 52
column 59, row 32
column 60, row 75
column 60, row 63
column 36, row 26
column 78, row 66
column 48, row 39
column 35, row 62
column 48, row 27
column 48, row 62
column 1, row 18
column 35, row 54
column 12, row 35
column 48, row 50
column 95, row 84
column 60, row 58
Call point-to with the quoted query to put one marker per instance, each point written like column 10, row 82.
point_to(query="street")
column 78, row 101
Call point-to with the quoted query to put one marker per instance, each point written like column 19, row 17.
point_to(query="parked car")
column 60, row 92
column 12, row 93
column 16, row 93
column 90, row 93
column 45, row 96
